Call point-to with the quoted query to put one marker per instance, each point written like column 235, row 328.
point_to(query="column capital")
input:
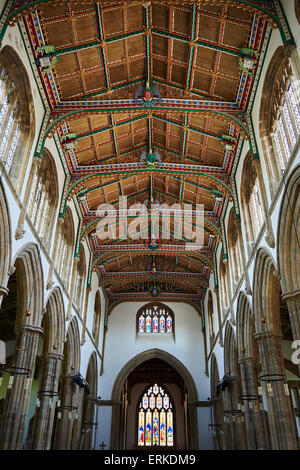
column 3, row 291
column 33, row 329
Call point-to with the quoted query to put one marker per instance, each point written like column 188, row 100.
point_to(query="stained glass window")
column 155, row 418
column 155, row 319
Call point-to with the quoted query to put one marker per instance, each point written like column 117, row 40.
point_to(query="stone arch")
column 288, row 249
column 29, row 290
column 18, row 84
column 182, row 371
column 30, row 278
column 5, row 243
column 69, row 391
column 245, row 328
column 230, row 350
column 266, row 293
column 56, row 325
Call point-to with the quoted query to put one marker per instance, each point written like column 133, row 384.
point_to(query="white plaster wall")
column 122, row 344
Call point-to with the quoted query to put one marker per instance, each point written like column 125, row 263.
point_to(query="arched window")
column 279, row 114
column 97, row 318
column 43, row 197
column 155, row 318
column 64, row 247
column 79, row 281
column 286, row 118
column 251, row 198
column 16, row 119
column 155, row 419
column 234, row 246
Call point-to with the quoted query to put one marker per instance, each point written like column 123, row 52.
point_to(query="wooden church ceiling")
column 190, row 54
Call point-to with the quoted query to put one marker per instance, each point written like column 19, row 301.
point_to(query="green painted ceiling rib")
column 192, row 48
column 217, row 114
column 198, row 42
column 181, row 88
column 101, row 37
column 185, row 134
column 148, row 46
column 158, row 278
column 191, row 128
column 213, row 178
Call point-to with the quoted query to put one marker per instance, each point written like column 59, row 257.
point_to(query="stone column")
column 14, row 415
column 44, row 417
column 89, row 422
column 63, row 438
column 283, row 430
column 256, row 426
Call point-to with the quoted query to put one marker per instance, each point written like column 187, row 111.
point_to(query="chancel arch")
column 159, row 361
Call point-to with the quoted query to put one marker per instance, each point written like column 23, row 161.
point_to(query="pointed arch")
column 245, row 328
column 288, row 249
column 182, row 371
column 5, row 241
column 54, row 322
column 266, row 293
column 31, row 283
